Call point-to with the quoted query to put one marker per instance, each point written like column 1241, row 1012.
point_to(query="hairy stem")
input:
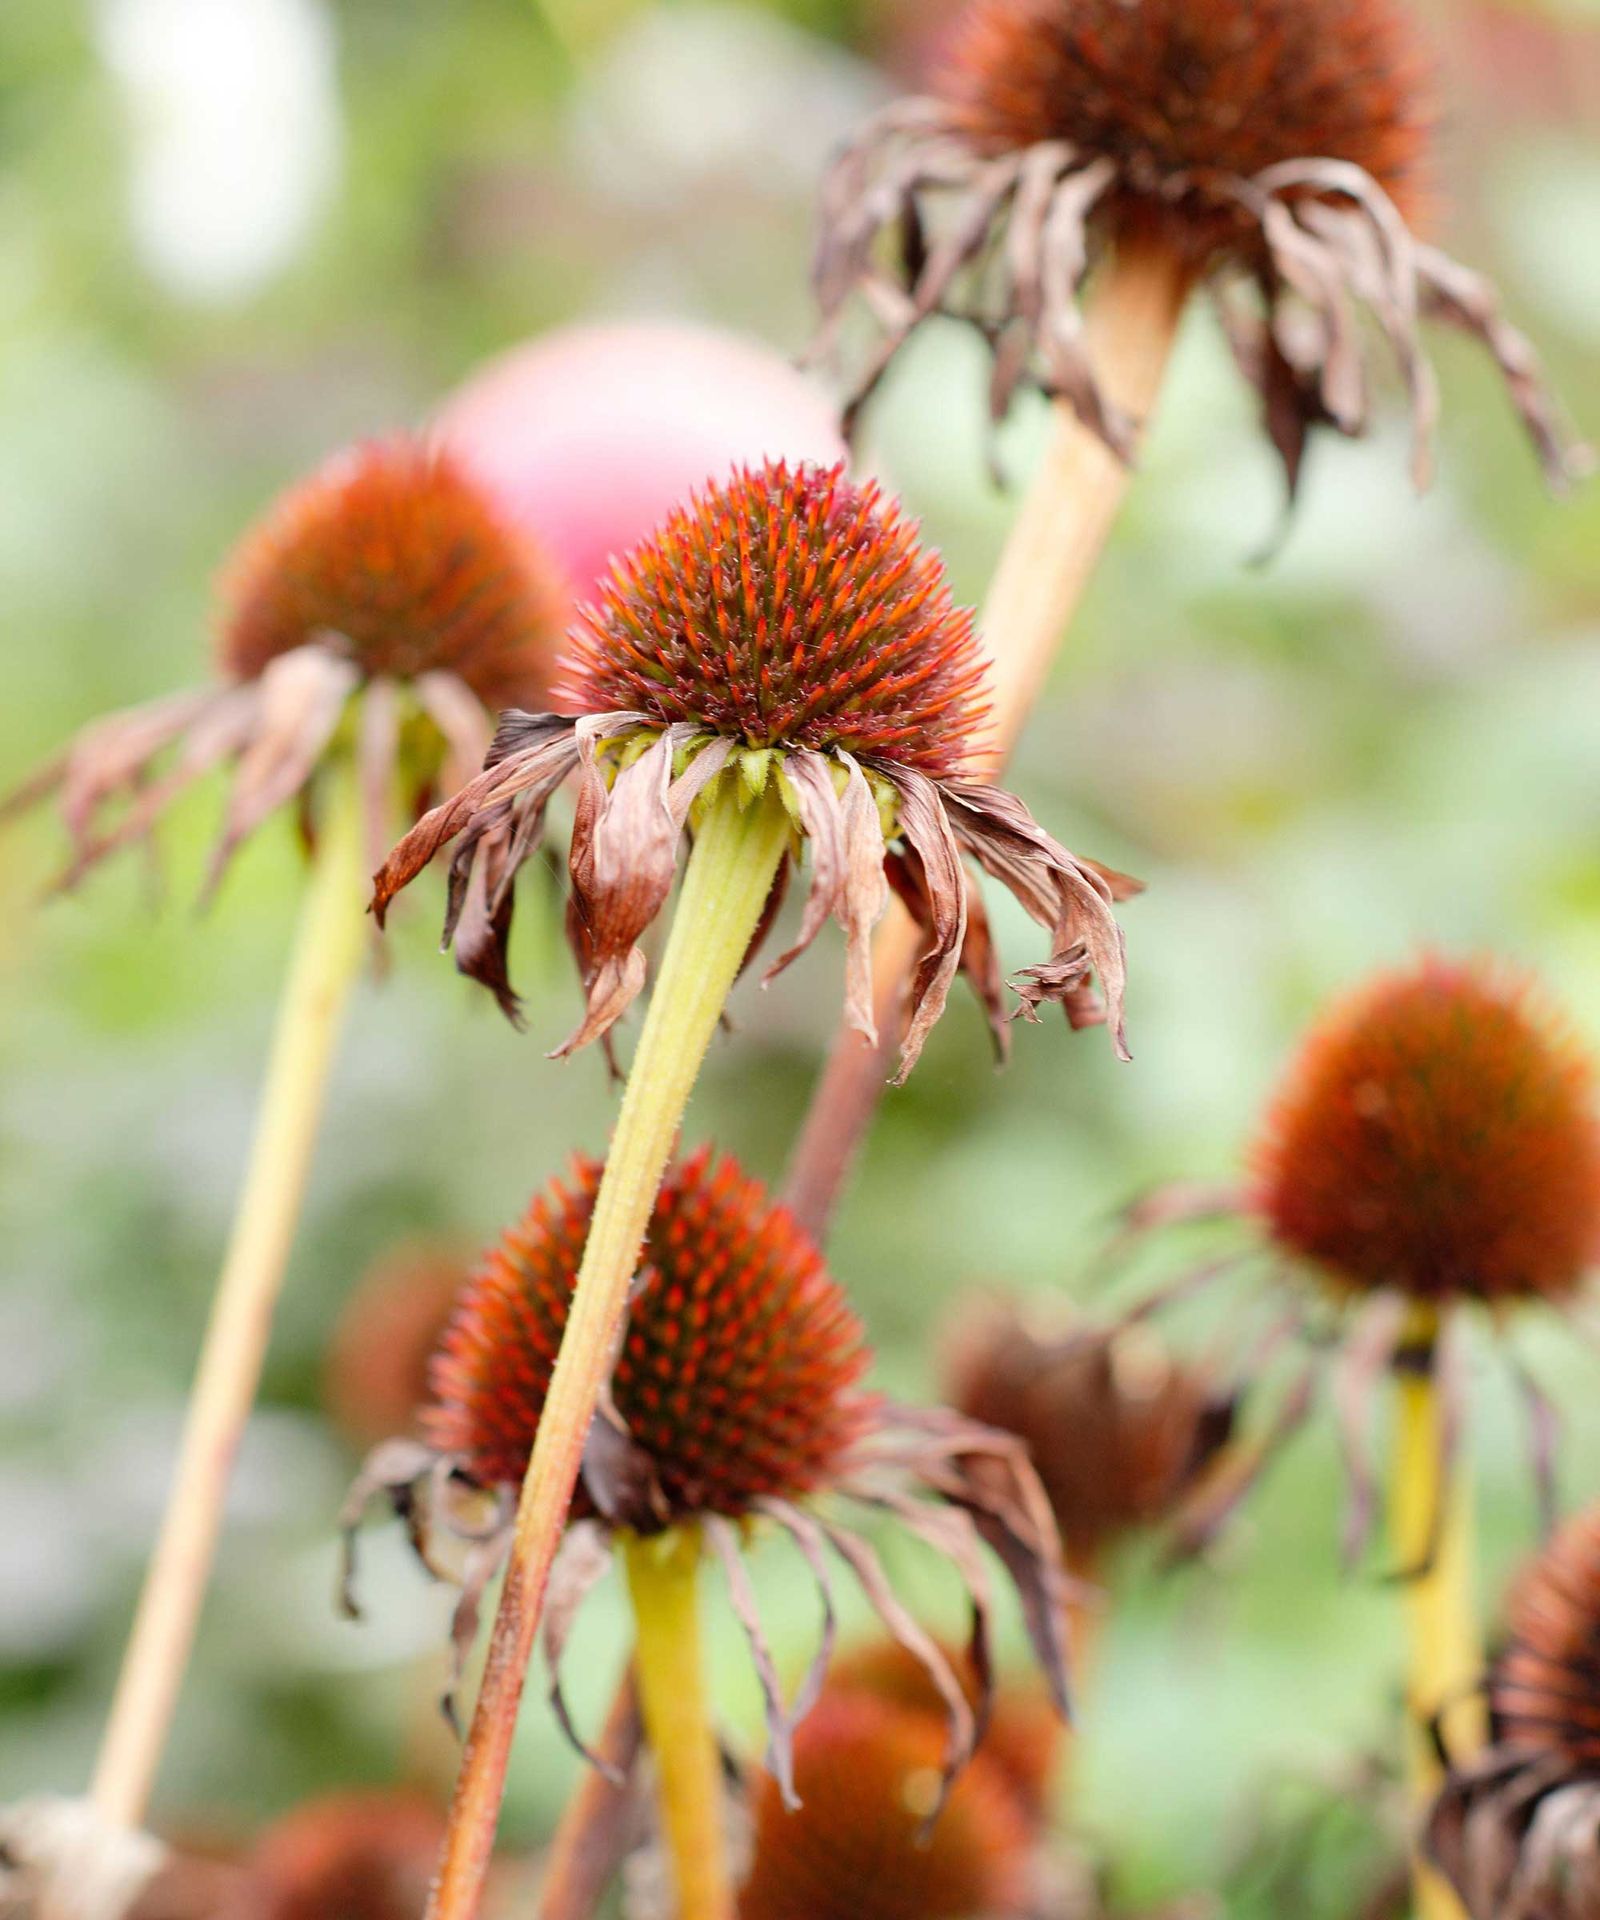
column 664, row 1585
column 326, row 959
column 736, row 855
column 1430, row 1519
column 1048, row 562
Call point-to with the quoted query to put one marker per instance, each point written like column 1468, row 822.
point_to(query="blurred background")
column 235, row 236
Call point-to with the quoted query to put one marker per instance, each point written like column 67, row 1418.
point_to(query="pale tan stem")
column 664, row 1585
column 1431, row 1524
column 327, row 957
column 1049, row 559
column 736, row 856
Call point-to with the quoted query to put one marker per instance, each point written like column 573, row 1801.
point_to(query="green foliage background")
column 1388, row 737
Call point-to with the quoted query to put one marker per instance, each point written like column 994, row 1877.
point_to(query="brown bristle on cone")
column 867, row 1774
column 1022, row 1739
column 376, row 1379
column 735, row 1379
column 1176, row 91
column 1438, row 1135
column 788, row 607
column 1544, row 1690
column 1117, row 1430
column 392, row 554
column 348, row 1856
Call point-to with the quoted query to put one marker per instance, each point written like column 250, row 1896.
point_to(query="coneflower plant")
column 860, row 1847
column 375, row 1376
column 1275, row 152
column 781, row 667
column 733, row 1402
column 367, row 630
column 1123, row 1435
column 1517, row 1828
column 1435, row 1147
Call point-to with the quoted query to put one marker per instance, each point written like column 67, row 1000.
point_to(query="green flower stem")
column 664, row 1586
column 326, row 959
column 738, row 847
column 1431, row 1523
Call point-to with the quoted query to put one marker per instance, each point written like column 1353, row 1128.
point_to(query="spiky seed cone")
column 1116, row 1429
column 390, row 552
column 1544, row 1691
column 867, row 1774
column 348, row 1856
column 1022, row 1739
column 1179, row 92
column 788, row 607
column 736, row 1378
column 376, row 1378
column 1438, row 1135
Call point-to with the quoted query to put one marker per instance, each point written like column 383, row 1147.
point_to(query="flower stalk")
column 1045, row 569
column 1431, row 1526
column 664, row 1585
column 326, row 959
column 740, row 843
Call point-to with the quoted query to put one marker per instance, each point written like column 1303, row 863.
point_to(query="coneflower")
column 1121, row 1433
column 376, row 1374
column 1517, row 1828
column 1274, row 151
column 1278, row 149
column 1435, row 1147
column 782, row 665
column 861, row 1847
column 366, row 631
column 734, row 1401
column 1021, row 1730
column 352, row 1855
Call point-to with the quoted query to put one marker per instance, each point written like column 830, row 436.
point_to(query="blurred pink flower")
column 593, row 434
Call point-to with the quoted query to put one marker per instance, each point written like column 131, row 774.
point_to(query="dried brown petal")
column 582, row 1560
column 299, row 701
column 1064, row 894
column 926, row 828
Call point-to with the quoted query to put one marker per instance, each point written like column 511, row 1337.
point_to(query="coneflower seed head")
column 736, row 1375
column 1438, row 1135
column 1181, row 91
column 391, row 553
column 788, row 607
column 867, row 1775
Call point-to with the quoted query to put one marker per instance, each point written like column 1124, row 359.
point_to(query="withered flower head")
column 376, row 1376
column 389, row 574
column 1438, row 1136
column 1517, row 1829
column 1277, row 148
column 786, row 629
column 735, row 1400
column 354, row 1856
column 1435, row 1145
column 861, row 1847
column 1119, row 1431
column 1021, row 1737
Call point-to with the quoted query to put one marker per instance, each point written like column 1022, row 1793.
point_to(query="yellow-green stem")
column 664, row 1585
column 736, row 854
column 1431, row 1529
column 327, row 955
column 1049, row 559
